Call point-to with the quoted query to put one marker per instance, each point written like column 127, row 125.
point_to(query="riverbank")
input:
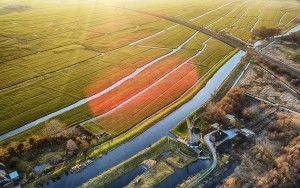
column 154, row 133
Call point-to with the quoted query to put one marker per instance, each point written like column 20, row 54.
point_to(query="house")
column 194, row 137
column 5, row 180
column 194, row 133
column 217, row 136
column 246, row 134
column 14, row 175
column 232, row 121
column 215, row 125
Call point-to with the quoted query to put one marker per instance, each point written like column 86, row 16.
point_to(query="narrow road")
column 199, row 179
column 212, row 150
column 271, row 103
column 230, row 40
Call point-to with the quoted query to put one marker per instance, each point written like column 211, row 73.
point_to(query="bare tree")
column 52, row 128
column 264, row 32
column 71, row 146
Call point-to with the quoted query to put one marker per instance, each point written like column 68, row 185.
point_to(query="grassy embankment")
column 164, row 145
column 153, row 176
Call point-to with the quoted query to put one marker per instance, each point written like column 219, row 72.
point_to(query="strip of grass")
column 152, row 177
column 93, row 128
column 163, row 145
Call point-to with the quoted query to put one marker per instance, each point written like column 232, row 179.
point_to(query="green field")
column 55, row 54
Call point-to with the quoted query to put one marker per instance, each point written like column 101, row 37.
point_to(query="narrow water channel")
column 218, row 180
column 182, row 174
column 151, row 135
column 173, row 180
column 127, row 178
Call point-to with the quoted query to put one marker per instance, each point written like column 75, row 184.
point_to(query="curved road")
column 212, row 150
column 199, row 179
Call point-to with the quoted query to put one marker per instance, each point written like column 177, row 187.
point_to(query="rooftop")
column 14, row 175
column 247, row 132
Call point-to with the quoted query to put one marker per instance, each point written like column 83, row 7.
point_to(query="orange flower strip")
column 150, row 101
column 135, row 85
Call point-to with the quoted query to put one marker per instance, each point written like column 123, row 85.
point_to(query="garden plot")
column 210, row 55
column 241, row 18
column 153, row 99
column 197, row 42
column 21, row 105
column 70, row 25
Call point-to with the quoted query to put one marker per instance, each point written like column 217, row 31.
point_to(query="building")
column 5, row 180
column 232, row 121
column 246, row 134
column 215, row 125
column 217, row 136
column 14, row 175
column 194, row 137
column 194, row 133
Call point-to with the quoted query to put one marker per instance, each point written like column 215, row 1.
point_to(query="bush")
column 263, row 32
column 13, row 162
column 233, row 102
column 293, row 37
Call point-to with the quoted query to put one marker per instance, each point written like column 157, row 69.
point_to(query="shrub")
column 71, row 146
column 264, row 32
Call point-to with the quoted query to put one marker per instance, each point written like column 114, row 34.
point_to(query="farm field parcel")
column 54, row 54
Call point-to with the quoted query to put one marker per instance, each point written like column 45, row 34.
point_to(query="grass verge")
column 153, row 176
